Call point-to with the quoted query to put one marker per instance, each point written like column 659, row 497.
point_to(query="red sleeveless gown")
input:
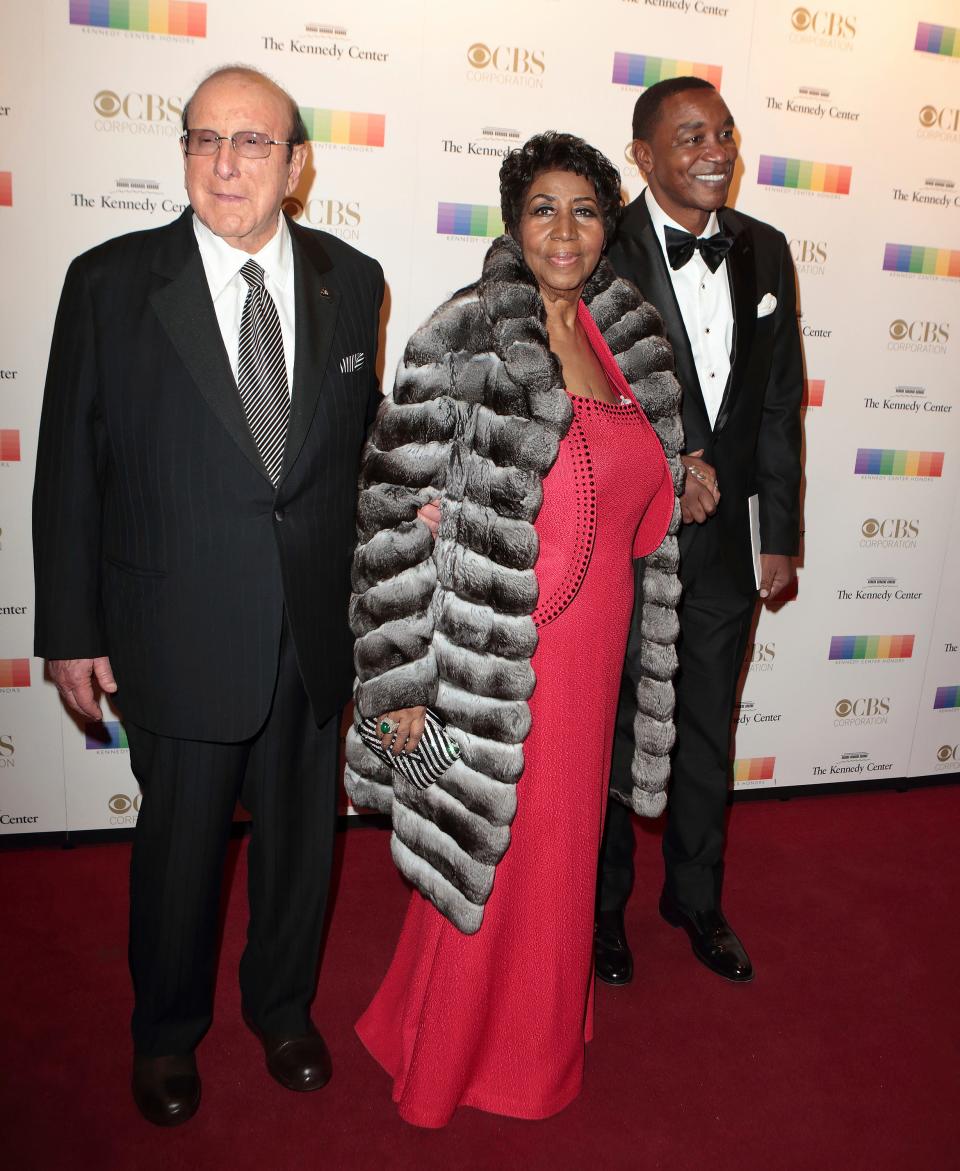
column 498, row 1020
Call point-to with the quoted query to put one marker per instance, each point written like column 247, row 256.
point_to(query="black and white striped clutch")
column 435, row 753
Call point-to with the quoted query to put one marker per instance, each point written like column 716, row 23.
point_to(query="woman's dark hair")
column 553, row 151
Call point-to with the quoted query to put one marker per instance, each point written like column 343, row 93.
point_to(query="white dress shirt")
column 705, row 306
column 222, row 263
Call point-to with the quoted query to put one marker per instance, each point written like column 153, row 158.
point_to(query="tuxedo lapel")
column 187, row 314
column 317, row 307
column 646, row 266
column 743, row 295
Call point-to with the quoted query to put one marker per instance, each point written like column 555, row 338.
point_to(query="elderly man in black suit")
column 209, row 389
column 725, row 286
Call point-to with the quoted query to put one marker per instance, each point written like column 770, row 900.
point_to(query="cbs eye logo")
column 506, row 58
column 870, row 528
column 899, row 329
column 120, row 803
column 843, row 708
column 479, row 56
column 946, row 752
column 107, row 103
column 292, row 207
column 946, row 117
column 823, row 22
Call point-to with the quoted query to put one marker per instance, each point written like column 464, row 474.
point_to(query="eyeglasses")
column 249, row 144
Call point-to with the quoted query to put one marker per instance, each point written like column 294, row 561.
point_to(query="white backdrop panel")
column 850, row 143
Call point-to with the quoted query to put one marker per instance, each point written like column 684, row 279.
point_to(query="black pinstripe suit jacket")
column 158, row 537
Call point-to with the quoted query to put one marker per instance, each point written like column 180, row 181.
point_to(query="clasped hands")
column 701, row 492
column 701, row 495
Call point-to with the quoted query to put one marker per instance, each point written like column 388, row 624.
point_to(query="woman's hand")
column 400, row 731
column 430, row 515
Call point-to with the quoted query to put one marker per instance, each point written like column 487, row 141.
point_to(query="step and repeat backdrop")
column 849, row 117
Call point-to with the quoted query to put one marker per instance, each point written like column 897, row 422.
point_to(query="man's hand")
column 430, row 515
column 74, row 680
column 777, row 571
column 701, row 492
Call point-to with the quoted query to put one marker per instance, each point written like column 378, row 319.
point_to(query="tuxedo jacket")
column 159, row 539
column 755, row 442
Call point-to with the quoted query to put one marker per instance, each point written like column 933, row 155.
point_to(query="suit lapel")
column 743, row 295
column 648, row 268
column 317, row 306
column 187, row 314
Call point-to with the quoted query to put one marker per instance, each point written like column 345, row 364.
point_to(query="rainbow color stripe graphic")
column 939, row 39
column 754, row 768
column 165, row 18
column 9, row 446
column 871, row 646
column 829, row 178
column 106, row 734
column 468, row 219
column 947, row 696
column 344, row 127
column 6, row 189
column 878, row 461
column 638, row 69
column 14, row 672
column 926, row 261
column 813, row 392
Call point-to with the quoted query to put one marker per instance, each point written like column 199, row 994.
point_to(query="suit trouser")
column 714, row 628
column 286, row 777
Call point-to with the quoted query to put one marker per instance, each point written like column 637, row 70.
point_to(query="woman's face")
column 561, row 231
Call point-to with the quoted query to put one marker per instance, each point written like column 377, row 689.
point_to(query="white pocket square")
column 352, row 362
column 767, row 305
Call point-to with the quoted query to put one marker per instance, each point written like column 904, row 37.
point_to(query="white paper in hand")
column 754, row 505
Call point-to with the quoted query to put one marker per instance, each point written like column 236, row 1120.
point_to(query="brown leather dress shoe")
column 713, row 940
column 166, row 1089
column 300, row 1063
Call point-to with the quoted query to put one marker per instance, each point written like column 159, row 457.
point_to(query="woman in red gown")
column 497, row 1019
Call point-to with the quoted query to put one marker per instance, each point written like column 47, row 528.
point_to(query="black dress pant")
column 715, row 620
column 286, row 777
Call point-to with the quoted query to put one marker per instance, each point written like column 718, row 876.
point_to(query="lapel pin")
column 324, row 291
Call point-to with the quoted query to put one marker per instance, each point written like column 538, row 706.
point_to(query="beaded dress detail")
column 498, row 1020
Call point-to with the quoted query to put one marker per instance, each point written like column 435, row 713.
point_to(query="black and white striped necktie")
column 262, row 371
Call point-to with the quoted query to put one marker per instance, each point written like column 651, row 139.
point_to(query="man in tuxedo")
column 209, row 389
column 724, row 284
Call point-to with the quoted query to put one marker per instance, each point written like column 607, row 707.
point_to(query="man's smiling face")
column 689, row 157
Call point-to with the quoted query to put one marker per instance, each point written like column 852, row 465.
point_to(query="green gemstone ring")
column 385, row 727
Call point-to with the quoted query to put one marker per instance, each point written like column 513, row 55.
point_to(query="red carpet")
column 843, row 1054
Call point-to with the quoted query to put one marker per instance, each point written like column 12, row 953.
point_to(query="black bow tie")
column 682, row 245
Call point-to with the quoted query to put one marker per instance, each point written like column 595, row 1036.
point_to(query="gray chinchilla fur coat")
column 476, row 417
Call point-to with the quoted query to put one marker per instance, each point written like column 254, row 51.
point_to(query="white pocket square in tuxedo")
column 767, row 305
column 352, row 362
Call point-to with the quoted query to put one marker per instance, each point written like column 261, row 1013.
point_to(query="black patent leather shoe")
column 611, row 952
column 298, row 1062
column 166, row 1089
column 712, row 938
